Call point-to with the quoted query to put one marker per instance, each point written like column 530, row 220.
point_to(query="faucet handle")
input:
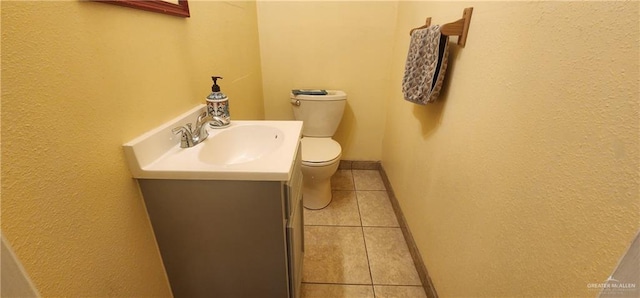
column 201, row 118
column 186, row 140
column 178, row 129
column 221, row 121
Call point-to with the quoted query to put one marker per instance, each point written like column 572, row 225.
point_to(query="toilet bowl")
column 321, row 115
column 320, row 160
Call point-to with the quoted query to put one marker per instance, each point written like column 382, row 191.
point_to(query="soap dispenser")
column 218, row 105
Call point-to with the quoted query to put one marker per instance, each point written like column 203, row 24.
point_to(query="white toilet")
column 321, row 115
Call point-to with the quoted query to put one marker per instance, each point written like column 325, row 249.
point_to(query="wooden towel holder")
column 459, row 28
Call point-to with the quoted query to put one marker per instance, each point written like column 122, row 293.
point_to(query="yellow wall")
column 331, row 45
column 523, row 179
column 79, row 79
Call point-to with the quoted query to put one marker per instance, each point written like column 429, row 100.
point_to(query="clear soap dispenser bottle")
column 218, row 105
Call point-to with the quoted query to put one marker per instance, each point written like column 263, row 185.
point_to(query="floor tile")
column 335, row 255
column 389, row 257
column 399, row 292
column 367, row 180
column 375, row 209
column 336, row 291
column 342, row 211
column 342, row 180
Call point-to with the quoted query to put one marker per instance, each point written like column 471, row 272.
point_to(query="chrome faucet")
column 191, row 137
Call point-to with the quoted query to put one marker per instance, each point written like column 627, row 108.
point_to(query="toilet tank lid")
column 319, row 149
column 331, row 95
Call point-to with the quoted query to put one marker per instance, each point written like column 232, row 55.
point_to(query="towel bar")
column 459, row 28
column 427, row 23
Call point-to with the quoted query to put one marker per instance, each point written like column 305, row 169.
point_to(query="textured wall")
column 523, row 179
column 79, row 79
column 331, row 45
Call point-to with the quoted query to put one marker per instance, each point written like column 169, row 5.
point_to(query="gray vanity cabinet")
column 229, row 238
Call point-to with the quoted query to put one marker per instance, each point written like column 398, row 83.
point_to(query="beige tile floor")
column 354, row 247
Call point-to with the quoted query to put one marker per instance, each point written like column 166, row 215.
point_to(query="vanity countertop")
column 250, row 150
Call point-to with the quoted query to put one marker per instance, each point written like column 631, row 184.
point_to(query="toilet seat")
column 318, row 152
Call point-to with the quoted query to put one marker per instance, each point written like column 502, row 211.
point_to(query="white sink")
column 240, row 144
column 246, row 150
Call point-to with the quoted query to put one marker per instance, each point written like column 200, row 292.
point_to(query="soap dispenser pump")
column 218, row 105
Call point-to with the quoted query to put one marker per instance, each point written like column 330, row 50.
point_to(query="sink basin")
column 240, row 144
column 245, row 150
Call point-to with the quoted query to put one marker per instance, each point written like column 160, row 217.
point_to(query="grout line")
column 353, row 180
column 335, row 283
column 333, row 226
column 352, row 284
column 352, row 226
column 388, row 285
column 366, row 251
column 382, row 227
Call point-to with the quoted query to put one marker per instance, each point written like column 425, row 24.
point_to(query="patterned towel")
column 426, row 65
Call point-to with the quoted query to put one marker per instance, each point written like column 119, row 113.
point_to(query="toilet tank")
column 321, row 114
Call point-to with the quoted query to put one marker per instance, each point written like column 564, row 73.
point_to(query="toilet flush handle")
column 295, row 102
